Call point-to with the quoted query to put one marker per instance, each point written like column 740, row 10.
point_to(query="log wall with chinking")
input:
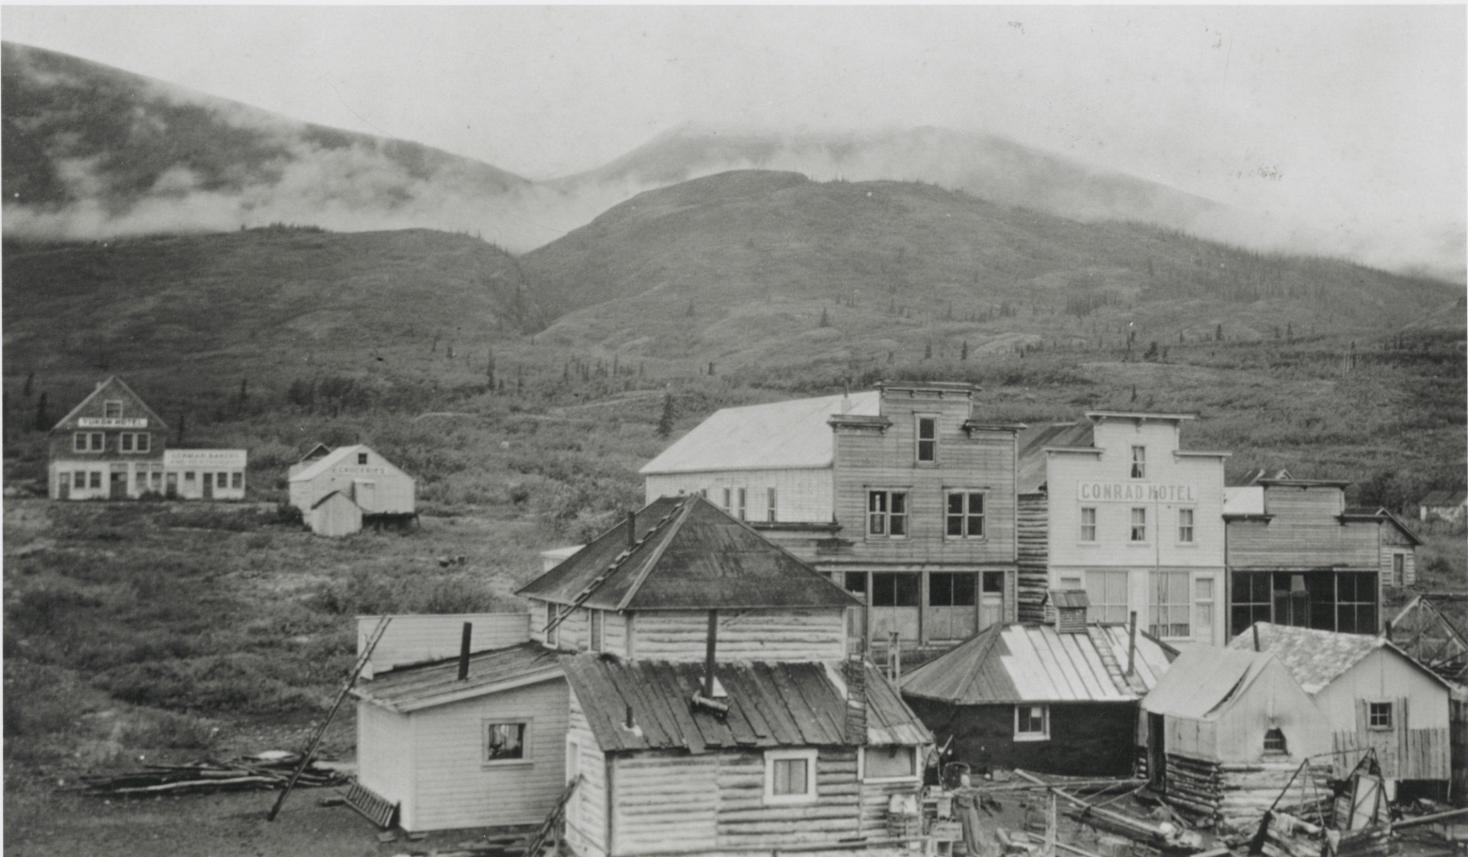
column 1034, row 556
column 1236, row 796
column 749, row 635
column 663, row 801
column 744, row 820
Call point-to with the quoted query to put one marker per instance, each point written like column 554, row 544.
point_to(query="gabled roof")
column 112, row 382
column 1317, row 658
column 780, row 435
column 1202, row 678
column 316, row 451
column 771, row 704
column 1444, row 498
column 335, row 457
column 331, row 494
column 1257, row 475
column 437, row 683
column 1380, row 515
column 1037, row 663
column 1035, row 440
column 688, row 555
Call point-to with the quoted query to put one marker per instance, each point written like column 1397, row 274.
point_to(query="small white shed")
column 334, row 515
column 370, row 481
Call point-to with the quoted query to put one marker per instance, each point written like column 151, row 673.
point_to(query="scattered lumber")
column 248, row 773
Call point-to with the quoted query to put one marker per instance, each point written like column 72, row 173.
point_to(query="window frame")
column 965, row 515
column 1138, row 528
column 741, row 499
column 596, row 630
column 919, row 440
column 946, row 584
column 94, row 479
column 108, row 408
column 861, row 764
column 896, row 578
column 887, row 513
column 1376, row 706
column 1157, row 604
column 81, row 441
column 237, row 480
column 1043, row 734
column 807, row 755
column 79, row 480
column 1187, row 532
column 771, row 504
column 1399, row 568
column 1138, row 468
column 728, row 499
column 552, row 631
column 1284, row 743
column 1098, row 584
column 1088, row 538
column 361, row 459
column 526, row 756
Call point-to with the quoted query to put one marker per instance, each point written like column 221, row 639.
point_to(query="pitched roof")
column 1037, row 663
column 1444, row 498
column 437, row 683
column 791, row 434
column 110, row 382
column 771, row 704
column 1035, row 440
column 329, row 495
column 1316, row 658
column 335, row 457
column 1202, row 678
column 688, row 554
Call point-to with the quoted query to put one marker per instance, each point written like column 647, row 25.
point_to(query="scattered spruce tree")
column 665, row 421
column 43, row 418
column 963, row 354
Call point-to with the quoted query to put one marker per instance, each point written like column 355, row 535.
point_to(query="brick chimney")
column 854, row 671
column 1070, row 610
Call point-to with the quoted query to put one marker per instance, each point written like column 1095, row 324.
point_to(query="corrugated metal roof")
column 1201, row 679
column 1317, row 658
column 331, row 459
column 779, row 435
column 1033, row 443
column 771, row 704
column 689, row 554
column 1068, row 598
column 1036, row 663
column 437, row 683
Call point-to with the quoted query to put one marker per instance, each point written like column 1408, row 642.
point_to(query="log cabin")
column 902, row 495
column 1370, row 694
column 1114, row 505
column 1061, row 697
column 1224, row 731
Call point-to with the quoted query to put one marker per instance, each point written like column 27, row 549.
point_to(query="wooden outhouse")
column 1061, row 698
column 1224, row 732
column 1370, row 694
column 377, row 486
column 780, row 755
column 110, row 446
column 334, row 515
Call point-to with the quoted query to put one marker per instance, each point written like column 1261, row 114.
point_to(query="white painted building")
column 375, row 484
column 205, row 474
column 1125, row 513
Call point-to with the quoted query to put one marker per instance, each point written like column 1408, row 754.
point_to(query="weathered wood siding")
column 1034, row 556
column 385, row 753
column 1406, row 754
column 1458, row 745
column 875, row 799
column 742, row 820
column 415, row 638
column 751, row 635
column 801, row 495
column 1394, row 543
column 455, row 787
column 586, row 814
column 1303, row 532
column 1236, row 796
column 1086, row 739
column 1416, row 745
column 664, row 801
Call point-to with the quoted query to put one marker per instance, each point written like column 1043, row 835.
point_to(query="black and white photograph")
column 735, row 431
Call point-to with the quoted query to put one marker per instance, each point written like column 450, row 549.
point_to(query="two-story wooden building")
column 111, row 446
column 1298, row 556
column 901, row 495
column 1115, row 506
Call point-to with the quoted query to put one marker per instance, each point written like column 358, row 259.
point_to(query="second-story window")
column 927, row 440
column 1088, row 523
column 965, row 518
column 1185, row 526
column 88, row 441
column 112, row 409
column 361, row 458
column 1139, row 462
column 728, row 499
column 1139, row 523
column 743, row 496
column 887, row 513
column 596, row 633
column 770, row 504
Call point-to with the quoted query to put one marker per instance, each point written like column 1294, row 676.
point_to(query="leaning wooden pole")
column 341, row 696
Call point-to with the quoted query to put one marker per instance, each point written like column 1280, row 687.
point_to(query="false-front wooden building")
column 903, row 496
column 1115, row 506
column 111, row 446
column 1297, row 556
column 1224, row 731
column 1061, row 698
column 1371, row 695
column 382, row 491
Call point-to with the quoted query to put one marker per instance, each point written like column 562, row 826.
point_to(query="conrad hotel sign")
column 1135, row 492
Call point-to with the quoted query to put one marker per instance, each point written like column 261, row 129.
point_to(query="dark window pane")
column 940, row 590
column 907, row 590
column 963, row 590
column 856, row 581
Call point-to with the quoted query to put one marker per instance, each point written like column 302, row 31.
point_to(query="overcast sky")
column 1360, row 109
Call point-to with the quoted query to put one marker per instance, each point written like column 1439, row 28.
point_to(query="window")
column 743, row 495
column 1185, row 526
column 596, row 630
column 573, row 764
column 855, row 582
column 1031, row 723
column 96, row 477
column 951, row 589
column 1203, row 603
column 361, row 458
column 1088, row 523
column 965, row 514
column 129, row 441
column 728, row 499
column 221, row 480
column 237, row 480
column 552, row 632
column 888, row 764
column 1399, row 568
column 1139, row 523
column 188, row 476
column 895, row 589
column 1107, row 593
column 770, row 505
column 1356, row 599
column 505, row 741
column 887, row 513
column 79, row 479
column 1169, row 605
column 1379, row 715
column 88, row 441
column 927, row 440
column 1251, row 600
column 112, row 409
column 1139, row 462
column 1274, row 743
column 790, row 776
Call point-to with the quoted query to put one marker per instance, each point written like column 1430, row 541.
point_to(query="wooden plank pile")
column 252, row 772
